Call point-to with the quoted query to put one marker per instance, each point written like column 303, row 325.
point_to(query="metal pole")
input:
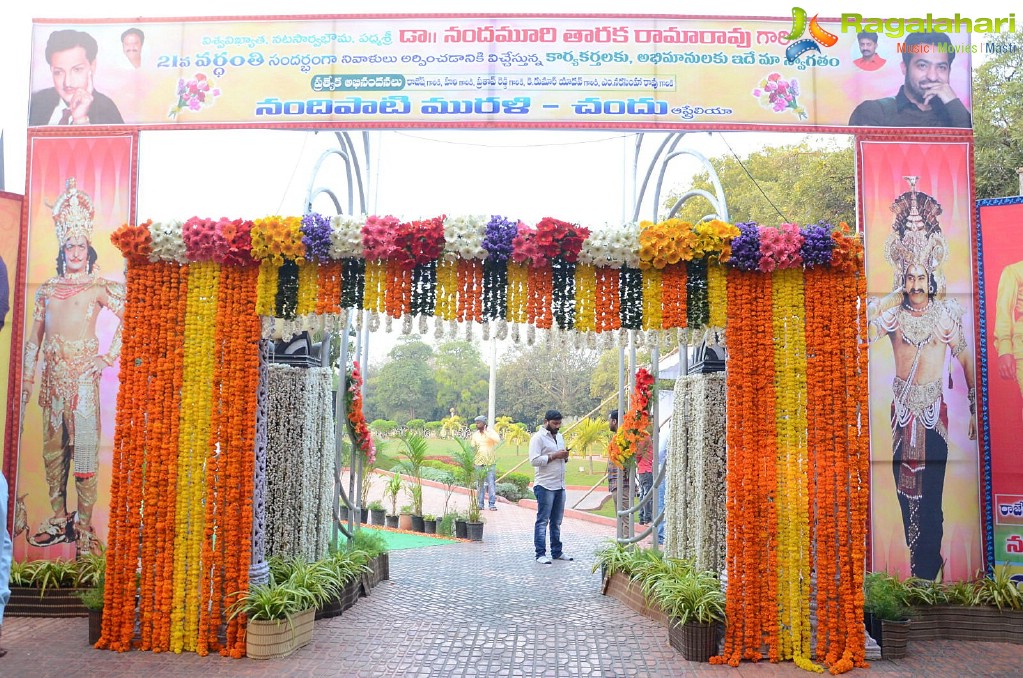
column 632, row 470
column 339, row 417
column 655, row 367
column 619, row 523
column 492, row 393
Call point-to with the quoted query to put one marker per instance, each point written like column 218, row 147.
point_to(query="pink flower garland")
column 378, row 237
column 232, row 242
column 198, row 234
column 780, row 247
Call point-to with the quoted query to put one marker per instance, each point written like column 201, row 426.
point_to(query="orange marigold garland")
column 607, row 300
column 673, row 296
column 634, row 433
column 328, row 289
column 540, row 297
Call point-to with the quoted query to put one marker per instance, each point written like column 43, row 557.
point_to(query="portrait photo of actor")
column 1009, row 325
column 925, row 330
column 869, row 59
column 63, row 334
column 73, row 100
column 925, row 99
column 131, row 45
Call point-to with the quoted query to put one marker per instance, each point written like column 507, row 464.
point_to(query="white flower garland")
column 168, row 242
column 300, row 462
column 695, row 511
column 613, row 246
column 346, row 237
column 463, row 238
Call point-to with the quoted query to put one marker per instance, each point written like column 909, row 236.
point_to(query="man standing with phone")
column 548, row 455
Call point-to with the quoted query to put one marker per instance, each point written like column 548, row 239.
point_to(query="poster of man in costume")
column 923, row 385
column 1002, row 268
column 78, row 194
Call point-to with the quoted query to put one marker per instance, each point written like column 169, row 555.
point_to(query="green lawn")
column 507, row 458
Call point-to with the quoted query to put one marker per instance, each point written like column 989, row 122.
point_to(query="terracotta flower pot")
column 405, row 521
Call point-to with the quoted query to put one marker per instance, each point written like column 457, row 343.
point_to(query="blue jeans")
column 6, row 550
column 550, row 509
column 488, row 483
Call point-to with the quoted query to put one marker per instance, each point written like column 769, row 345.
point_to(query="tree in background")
column 403, row 388
column 998, row 116
column 806, row 183
column 604, row 377
column 587, row 434
column 461, row 377
column 533, row 379
column 516, row 434
column 451, row 425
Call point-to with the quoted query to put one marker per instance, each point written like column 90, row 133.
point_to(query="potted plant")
column 430, row 523
column 469, row 476
column 884, row 598
column 405, row 518
column 92, row 599
column 391, row 491
column 413, row 465
column 446, row 525
column 376, row 510
column 695, row 606
column 281, row 615
column 52, row 588
column 374, row 545
column 461, row 529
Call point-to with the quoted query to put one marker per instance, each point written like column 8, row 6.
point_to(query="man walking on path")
column 485, row 441
column 548, row 455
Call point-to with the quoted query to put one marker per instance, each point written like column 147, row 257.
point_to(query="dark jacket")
column 899, row 111
column 103, row 110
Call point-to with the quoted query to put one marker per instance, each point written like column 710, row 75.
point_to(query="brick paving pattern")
column 483, row 609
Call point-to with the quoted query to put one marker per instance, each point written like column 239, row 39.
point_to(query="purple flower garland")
column 316, row 236
column 746, row 247
column 497, row 240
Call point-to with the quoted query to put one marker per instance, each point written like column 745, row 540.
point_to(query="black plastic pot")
column 377, row 516
column 475, row 531
column 430, row 526
column 417, row 524
column 460, row 529
column 391, row 521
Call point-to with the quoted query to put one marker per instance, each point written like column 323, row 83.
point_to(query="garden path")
column 468, row 609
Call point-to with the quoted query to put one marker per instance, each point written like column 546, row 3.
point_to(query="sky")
column 579, row 176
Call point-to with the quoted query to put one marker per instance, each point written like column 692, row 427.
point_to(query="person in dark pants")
column 548, row 455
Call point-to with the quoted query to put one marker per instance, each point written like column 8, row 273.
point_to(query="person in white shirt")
column 549, row 456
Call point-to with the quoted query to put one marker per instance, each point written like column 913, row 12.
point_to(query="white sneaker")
column 543, row 560
column 564, row 557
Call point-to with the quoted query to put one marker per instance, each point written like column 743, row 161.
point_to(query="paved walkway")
column 469, row 609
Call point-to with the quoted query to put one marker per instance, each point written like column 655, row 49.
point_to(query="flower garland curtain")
column 180, row 540
column 695, row 492
column 798, row 463
column 662, row 278
column 300, row 462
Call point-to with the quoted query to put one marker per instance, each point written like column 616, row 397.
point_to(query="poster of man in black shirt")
column 926, row 99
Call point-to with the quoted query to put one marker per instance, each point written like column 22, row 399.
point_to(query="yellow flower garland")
column 518, row 286
column 376, row 281
column 652, row 299
column 793, row 546
column 585, row 293
column 308, row 287
column 447, row 290
column 196, row 406
column 717, row 294
column 266, row 287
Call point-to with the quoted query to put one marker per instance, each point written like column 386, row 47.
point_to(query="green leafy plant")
column 369, row 542
column 44, row 574
column 690, row 596
column 884, row 596
column 520, row 480
column 406, row 510
column 999, row 590
column 614, row 558
column 924, row 592
column 92, row 598
column 375, row 505
column 468, row 476
column 91, row 569
column 429, row 516
column 391, row 492
column 961, row 593
column 268, row 602
column 413, row 465
column 446, row 526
